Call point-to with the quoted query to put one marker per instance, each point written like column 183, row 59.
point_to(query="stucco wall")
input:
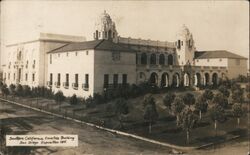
column 220, row 62
column 237, row 68
column 104, row 64
column 80, row 64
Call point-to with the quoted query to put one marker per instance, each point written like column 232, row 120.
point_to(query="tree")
column 217, row 114
column 208, row 95
column 19, row 90
column 26, row 90
column 5, row 90
column 168, row 99
column 237, row 112
column 187, row 121
column 189, row 99
column 238, row 95
column 73, row 100
column 201, row 105
column 150, row 113
column 59, row 97
column 221, row 100
column 12, row 88
column 121, row 108
column 235, row 86
column 223, row 89
column 177, row 107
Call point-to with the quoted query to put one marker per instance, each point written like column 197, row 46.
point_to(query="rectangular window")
column 106, row 80
column 124, row 79
column 33, row 77
column 50, row 59
column 76, row 53
column 178, row 44
column 67, row 79
column 87, row 52
column 51, row 78
column 220, row 59
column 8, row 76
column 59, row 79
column 115, row 80
column 67, row 54
column 86, row 78
column 14, row 76
column 76, row 78
column 207, row 60
column 26, row 77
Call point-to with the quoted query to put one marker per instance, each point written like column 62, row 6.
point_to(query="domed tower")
column 105, row 28
column 185, row 47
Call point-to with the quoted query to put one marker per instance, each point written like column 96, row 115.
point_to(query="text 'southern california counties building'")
column 76, row 66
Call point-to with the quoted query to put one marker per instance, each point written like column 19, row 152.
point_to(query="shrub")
column 73, row 100
column 26, row 91
column 19, row 90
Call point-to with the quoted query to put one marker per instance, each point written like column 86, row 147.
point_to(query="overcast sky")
column 215, row 25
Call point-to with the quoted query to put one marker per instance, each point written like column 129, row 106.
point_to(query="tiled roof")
column 216, row 54
column 95, row 44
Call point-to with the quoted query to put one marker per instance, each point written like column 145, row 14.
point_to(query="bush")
column 73, row 100
column 19, row 90
column 26, row 91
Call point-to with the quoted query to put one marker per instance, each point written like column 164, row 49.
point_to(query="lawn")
column 164, row 129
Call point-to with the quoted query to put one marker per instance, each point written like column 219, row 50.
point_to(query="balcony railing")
column 66, row 85
column 85, row 86
column 75, row 85
column 115, row 86
column 57, row 84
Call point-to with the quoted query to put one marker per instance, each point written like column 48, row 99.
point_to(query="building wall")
column 30, row 53
column 220, row 62
column 105, row 64
column 77, row 62
column 237, row 67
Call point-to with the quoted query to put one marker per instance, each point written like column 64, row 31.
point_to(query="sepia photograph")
column 124, row 77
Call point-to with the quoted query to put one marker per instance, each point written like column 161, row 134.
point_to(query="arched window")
column 143, row 58
column 109, row 34
column 170, row 60
column 162, row 59
column 153, row 59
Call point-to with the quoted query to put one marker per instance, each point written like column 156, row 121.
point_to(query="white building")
column 111, row 61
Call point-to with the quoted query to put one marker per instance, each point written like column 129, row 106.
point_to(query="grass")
column 164, row 129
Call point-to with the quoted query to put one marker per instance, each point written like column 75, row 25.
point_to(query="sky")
column 215, row 25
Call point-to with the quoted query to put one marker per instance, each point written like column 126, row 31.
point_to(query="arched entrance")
column 186, row 80
column 153, row 79
column 215, row 79
column 176, row 80
column 141, row 77
column 197, row 79
column 206, row 79
column 164, row 80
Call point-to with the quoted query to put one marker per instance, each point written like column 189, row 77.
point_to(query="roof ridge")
column 99, row 43
column 58, row 48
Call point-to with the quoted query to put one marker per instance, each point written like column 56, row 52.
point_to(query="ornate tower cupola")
column 105, row 28
column 185, row 46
